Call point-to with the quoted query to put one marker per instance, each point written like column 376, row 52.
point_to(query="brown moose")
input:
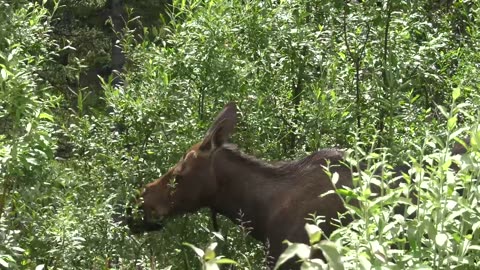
column 275, row 199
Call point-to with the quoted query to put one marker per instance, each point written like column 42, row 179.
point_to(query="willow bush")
column 305, row 74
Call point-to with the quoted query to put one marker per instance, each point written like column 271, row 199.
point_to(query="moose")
column 274, row 198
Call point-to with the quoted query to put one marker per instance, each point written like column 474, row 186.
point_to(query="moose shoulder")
column 275, row 199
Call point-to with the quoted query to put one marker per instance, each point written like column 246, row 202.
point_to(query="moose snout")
column 138, row 220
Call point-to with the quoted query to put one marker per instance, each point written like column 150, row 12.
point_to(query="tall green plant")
column 27, row 130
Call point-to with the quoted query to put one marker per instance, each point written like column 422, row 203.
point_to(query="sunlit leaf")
column 225, row 261
column 329, row 249
column 335, row 178
column 452, row 123
column 211, row 266
column 314, row 233
column 32, row 161
column 3, row 74
column 47, row 116
column 443, row 111
column 210, row 252
column 200, row 253
column 18, row 249
column 455, row 93
column 295, row 249
column 3, row 263
column 474, row 247
column 441, row 240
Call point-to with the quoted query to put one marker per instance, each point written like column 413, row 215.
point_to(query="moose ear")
column 221, row 128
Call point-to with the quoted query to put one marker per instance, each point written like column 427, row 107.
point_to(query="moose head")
column 191, row 183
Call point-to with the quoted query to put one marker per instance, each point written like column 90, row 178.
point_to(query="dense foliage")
column 394, row 81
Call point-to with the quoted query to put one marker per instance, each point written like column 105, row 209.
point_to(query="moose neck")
column 244, row 189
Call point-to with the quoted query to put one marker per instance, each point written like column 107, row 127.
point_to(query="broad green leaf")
column 456, row 133
column 474, row 247
column 210, row 252
column 200, row 253
column 335, row 178
column 452, row 123
column 3, row 263
column 32, row 161
column 455, row 93
column 329, row 249
column 365, row 263
column 211, row 266
column 3, row 74
column 314, row 233
column 447, row 164
column 301, row 250
column 441, row 239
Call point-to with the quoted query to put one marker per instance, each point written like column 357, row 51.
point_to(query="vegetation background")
column 98, row 97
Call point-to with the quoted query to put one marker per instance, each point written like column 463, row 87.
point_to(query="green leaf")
column 32, row 161
column 226, row 261
column 443, row 111
column 3, row 74
column 475, row 140
column 441, row 240
column 335, row 178
column 474, row 247
column 456, row 93
column 364, row 262
column 211, row 266
column 447, row 164
column 301, row 250
column 475, row 227
column 18, row 249
column 165, row 79
column 46, row 116
column 329, row 249
column 314, row 233
column 210, row 252
column 219, row 236
column 452, row 122
column 200, row 253
column 3, row 263
column 456, row 133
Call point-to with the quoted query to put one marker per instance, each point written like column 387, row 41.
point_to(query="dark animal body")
column 273, row 199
